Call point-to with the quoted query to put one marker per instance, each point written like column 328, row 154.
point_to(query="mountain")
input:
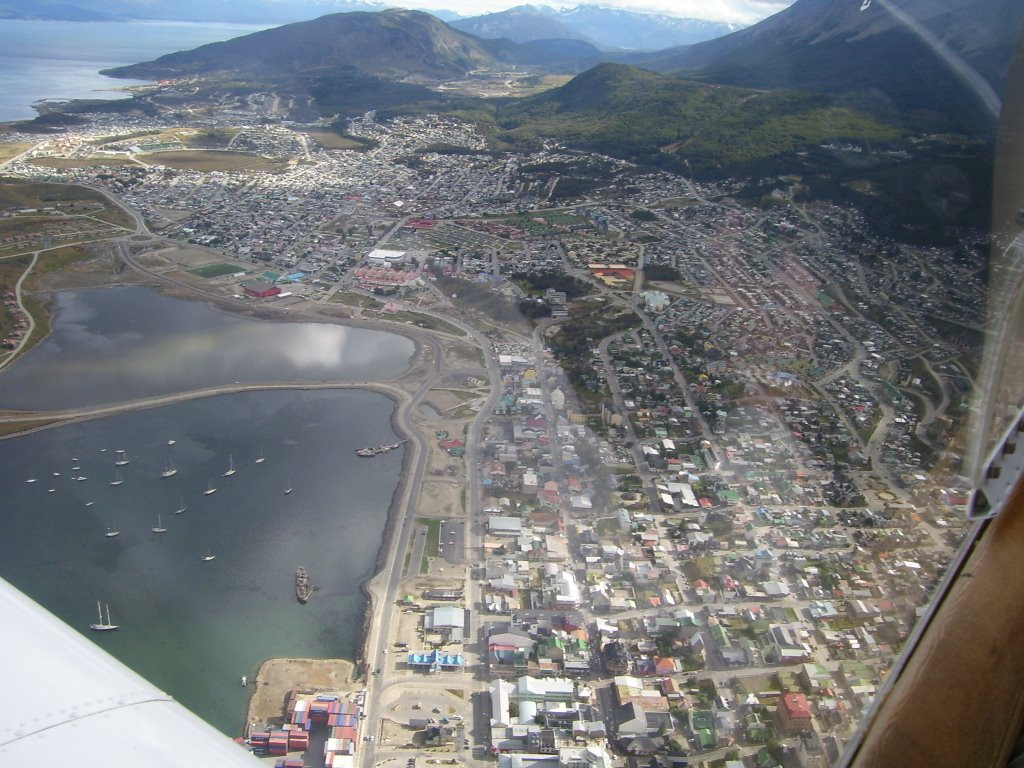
column 610, row 28
column 521, row 24
column 250, row 11
column 680, row 124
column 619, row 28
column 49, row 10
column 393, row 44
column 939, row 61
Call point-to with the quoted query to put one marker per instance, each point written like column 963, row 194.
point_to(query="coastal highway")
column 387, row 581
column 383, row 588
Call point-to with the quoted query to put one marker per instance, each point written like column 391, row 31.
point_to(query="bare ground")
column 278, row 677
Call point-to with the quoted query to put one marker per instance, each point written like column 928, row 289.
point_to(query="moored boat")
column 303, row 587
column 101, row 625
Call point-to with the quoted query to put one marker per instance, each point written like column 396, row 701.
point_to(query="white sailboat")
column 118, row 480
column 101, row 625
column 111, row 533
column 208, row 556
column 231, row 466
column 288, row 488
column 169, row 470
column 209, row 489
column 159, row 527
column 121, row 458
column 31, row 479
column 181, row 507
column 261, row 458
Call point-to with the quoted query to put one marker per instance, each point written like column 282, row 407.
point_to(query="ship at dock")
column 377, row 450
column 303, row 587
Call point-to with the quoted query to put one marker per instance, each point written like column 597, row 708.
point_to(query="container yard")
column 328, row 717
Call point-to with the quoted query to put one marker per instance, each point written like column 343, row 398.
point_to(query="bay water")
column 61, row 59
column 190, row 626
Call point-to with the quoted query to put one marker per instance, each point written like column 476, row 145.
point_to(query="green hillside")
column 646, row 117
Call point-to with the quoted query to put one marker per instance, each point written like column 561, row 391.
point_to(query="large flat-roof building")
column 380, row 257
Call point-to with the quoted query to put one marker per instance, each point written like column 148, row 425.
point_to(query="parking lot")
column 452, row 546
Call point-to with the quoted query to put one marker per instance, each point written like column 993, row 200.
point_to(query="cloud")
column 740, row 11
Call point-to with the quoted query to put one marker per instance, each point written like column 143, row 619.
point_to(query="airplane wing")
column 62, row 697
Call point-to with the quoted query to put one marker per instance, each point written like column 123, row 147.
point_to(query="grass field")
column 211, row 138
column 433, row 540
column 12, row 149
column 80, row 162
column 122, row 137
column 425, row 321
column 331, row 140
column 356, row 300
column 215, row 270
column 15, row 193
column 212, row 160
column 115, row 216
column 23, row 225
column 56, row 260
column 10, row 271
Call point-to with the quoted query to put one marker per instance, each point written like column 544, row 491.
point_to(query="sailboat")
column 118, row 480
column 231, row 466
column 159, row 527
column 121, row 458
column 181, row 507
column 209, row 489
column 101, row 625
column 208, row 556
column 111, row 533
column 169, row 470
column 288, row 488
column 261, row 458
column 31, row 479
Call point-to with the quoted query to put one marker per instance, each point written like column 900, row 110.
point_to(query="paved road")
column 18, row 296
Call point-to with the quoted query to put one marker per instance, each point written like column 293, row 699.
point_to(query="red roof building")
column 793, row 714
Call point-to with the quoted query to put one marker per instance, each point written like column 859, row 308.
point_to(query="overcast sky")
column 744, row 11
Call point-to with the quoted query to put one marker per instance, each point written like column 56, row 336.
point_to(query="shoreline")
column 391, row 527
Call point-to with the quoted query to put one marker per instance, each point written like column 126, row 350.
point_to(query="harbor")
column 181, row 615
column 305, row 706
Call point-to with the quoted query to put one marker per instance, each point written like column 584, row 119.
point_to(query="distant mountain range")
column 396, row 44
column 250, row 11
column 608, row 28
column 907, row 56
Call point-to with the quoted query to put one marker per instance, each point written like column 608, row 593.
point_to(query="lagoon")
column 114, row 344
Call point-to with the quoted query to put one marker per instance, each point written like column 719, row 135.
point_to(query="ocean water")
column 191, row 627
column 61, row 59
